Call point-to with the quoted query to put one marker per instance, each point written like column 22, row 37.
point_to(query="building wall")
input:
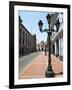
column 57, row 42
column 27, row 42
column 59, row 47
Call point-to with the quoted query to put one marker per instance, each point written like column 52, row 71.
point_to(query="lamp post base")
column 49, row 72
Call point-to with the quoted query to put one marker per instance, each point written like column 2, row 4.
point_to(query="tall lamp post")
column 49, row 71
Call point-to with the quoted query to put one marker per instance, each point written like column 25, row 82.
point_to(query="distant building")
column 41, row 46
column 38, row 47
column 27, row 42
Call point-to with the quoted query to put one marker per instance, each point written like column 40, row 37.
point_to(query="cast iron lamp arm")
column 53, row 30
column 47, row 30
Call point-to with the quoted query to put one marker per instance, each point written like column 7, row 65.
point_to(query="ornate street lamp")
column 48, row 17
column 40, row 25
column 49, row 71
column 57, row 25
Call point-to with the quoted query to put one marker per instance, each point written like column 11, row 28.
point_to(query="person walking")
column 45, row 51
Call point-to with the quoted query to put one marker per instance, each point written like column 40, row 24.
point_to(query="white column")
column 55, row 48
column 59, row 47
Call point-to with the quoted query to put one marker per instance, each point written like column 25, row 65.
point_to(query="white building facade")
column 57, row 39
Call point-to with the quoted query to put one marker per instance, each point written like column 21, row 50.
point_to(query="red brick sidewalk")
column 39, row 65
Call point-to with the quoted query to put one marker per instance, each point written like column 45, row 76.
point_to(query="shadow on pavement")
column 59, row 73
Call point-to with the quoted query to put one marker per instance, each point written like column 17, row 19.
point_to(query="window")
column 23, row 40
column 26, row 41
column 20, row 31
column 23, row 36
column 20, row 40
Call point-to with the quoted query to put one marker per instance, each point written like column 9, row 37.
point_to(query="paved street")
column 26, row 60
column 38, row 65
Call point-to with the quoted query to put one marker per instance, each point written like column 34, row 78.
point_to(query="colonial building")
column 27, row 41
column 57, row 39
column 41, row 46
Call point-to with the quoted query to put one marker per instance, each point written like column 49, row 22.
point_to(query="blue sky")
column 30, row 21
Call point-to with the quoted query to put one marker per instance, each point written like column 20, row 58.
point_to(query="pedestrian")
column 45, row 51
